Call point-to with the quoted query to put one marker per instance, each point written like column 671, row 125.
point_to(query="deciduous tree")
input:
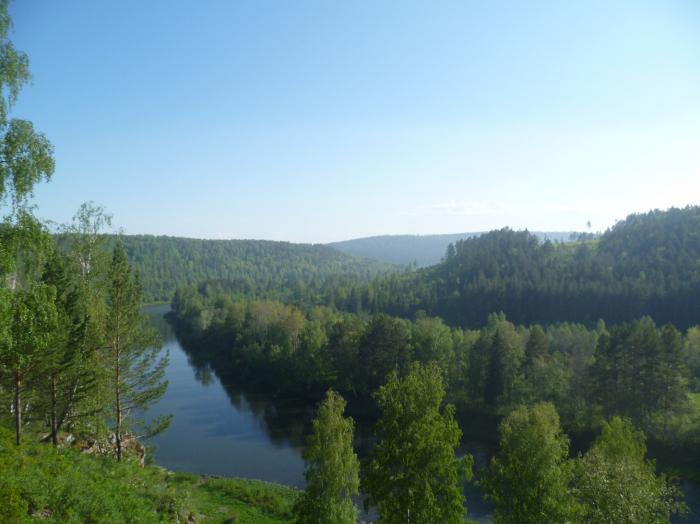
column 528, row 480
column 413, row 474
column 618, row 485
column 332, row 468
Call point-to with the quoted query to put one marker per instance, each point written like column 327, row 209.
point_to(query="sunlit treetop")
column 26, row 156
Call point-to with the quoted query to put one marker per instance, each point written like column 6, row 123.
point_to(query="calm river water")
column 218, row 429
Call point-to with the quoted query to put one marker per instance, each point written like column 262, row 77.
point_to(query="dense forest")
column 639, row 370
column 624, row 383
column 254, row 267
column 80, row 365
column 421, row 250
column 647, row 264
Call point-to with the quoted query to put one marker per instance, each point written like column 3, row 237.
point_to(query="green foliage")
column 44, row 484
column 26, row 157
column 251, row 268
column 497, row 357
column 39, row 483
column 33, row 317
column 136, row 371
column 692, row 357
column 584, row 372
column 640, row 372
column 644, row 265
column 422, row 250
column 412, row 474
column 617, row 485
column 332, row 468
column 254, row 500
column 528, row 480
column 385, row 347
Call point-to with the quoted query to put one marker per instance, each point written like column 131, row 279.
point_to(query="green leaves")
column 135, row 368
column 14, row 68
column 26, row 158
column 532, row 480
column 640, row 372
column 618, row 485
column 34, row 318
column 332, row 468
column 412, row 474
column 528, row 480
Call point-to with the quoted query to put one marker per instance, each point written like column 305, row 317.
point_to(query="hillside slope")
column 648, row 264
column 254, row 266
column 423, row 250
column 58, row 485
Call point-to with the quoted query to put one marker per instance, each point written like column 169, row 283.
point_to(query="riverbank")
column 242, row 432
column 38, row 481
column 228, row 500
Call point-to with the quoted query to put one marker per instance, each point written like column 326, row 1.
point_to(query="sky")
column 316, row 121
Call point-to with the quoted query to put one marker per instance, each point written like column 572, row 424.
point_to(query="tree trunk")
column 54, row 428
column 117, row 392
column 18, row 407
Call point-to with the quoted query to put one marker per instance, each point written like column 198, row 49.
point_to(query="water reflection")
column 221, row 429
column 217, row 430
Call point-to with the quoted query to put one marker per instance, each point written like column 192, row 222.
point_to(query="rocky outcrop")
column 131, row 447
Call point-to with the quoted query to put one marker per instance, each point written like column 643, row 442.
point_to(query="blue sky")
column 321, row 121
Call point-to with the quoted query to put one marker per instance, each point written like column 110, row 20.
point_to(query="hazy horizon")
column 313, row 122
column 117, row 230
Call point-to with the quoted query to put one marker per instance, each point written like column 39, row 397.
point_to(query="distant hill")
column 647, row 264
column 424, row 250
column 253, row 267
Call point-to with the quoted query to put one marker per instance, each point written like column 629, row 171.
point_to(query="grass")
column 228, row 500
column 41, row 484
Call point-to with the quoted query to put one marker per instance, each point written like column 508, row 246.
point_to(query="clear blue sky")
column 327, row 120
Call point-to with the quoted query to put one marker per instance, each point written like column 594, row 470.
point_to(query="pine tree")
column 671, row 378
column 332, row 468
column 136, row 372
column 537, row 345
column 70, row 366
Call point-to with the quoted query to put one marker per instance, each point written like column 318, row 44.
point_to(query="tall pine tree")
column 136, row 370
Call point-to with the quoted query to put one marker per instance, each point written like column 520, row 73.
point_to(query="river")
column 217, row 429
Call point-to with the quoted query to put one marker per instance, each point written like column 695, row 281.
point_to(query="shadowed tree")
column 385, row 347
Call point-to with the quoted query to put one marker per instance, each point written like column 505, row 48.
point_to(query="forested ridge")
column 254, row 267
column 422, row 250
column 647, row 264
